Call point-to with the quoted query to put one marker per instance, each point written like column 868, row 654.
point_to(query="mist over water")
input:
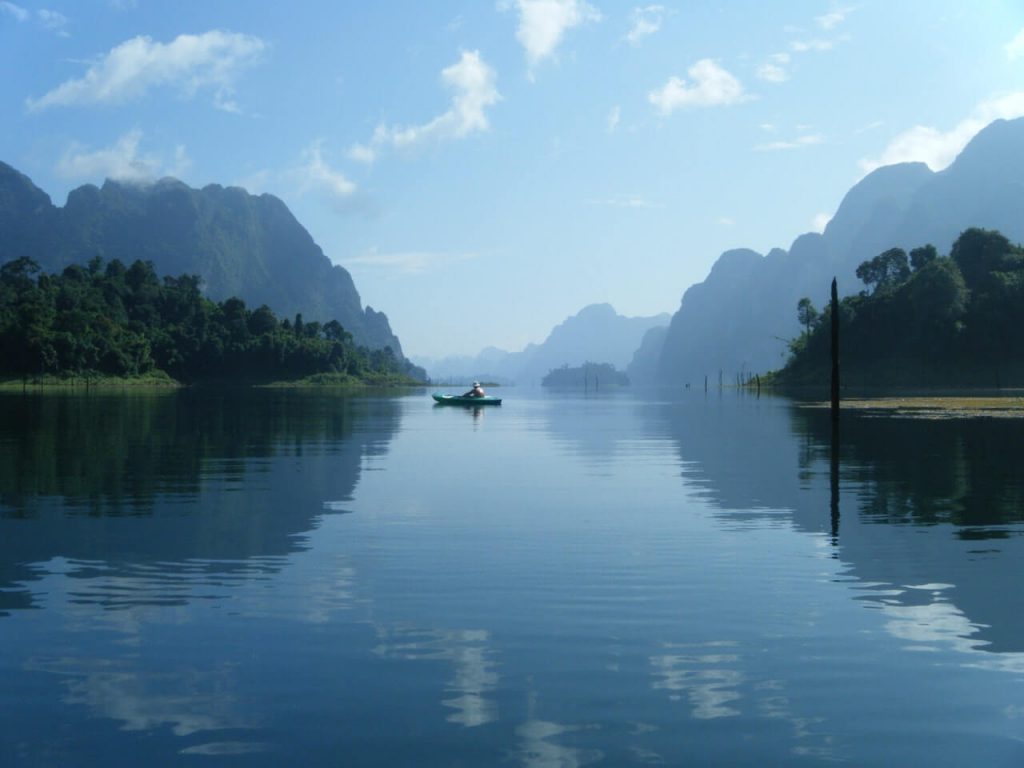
column 654, row 578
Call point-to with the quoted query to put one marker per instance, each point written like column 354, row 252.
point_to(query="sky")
column 486, row 169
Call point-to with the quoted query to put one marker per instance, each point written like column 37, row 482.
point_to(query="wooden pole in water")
column 834, row 457
column 835, row 356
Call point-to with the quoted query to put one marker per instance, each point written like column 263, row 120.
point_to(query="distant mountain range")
column 739, row 317
column 596, row 334
column 239, row 244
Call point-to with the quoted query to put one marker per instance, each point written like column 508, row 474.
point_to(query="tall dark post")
column 833, row 477
column 835, row 356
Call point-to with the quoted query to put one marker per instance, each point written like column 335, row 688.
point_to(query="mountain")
column 739, row 317
column 239, row 244
column 596, row 334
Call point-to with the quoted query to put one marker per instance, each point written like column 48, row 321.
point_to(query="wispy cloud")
column 774, row 69
column 806, row 140
column 872, row 126
column 625, row 201
column 122, row 161
column 1015, row 48
column 646, row 20
column 833, row 18
column 361, row 153
column 726, row 221
column 614, row 115
column 54, row 21
column 815, row 44
column 820, row 221
column 409, row 262
column 709, row 85
column 189, row 63
column 938, row 149
column 316, row 174
column 543, row 24
column 16, row 12
column 474, row 90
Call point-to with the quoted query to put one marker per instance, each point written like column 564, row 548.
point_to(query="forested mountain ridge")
column 740, row 317
column 240, row 245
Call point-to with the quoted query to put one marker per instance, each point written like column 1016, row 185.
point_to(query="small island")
column 586, row 376
column 108, row 322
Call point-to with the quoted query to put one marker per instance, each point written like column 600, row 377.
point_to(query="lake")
column 309, row 578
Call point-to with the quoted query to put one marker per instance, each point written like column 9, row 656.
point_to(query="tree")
column 806, row 314
column 886, row 270
column 923, row 255
column 979, row 252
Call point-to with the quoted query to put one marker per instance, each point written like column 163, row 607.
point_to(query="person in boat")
column 476, row 391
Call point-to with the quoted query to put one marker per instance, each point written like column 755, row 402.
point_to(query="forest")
column 109, row 319
column 924, row 319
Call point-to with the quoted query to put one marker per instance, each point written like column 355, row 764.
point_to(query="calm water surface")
column 269, row 578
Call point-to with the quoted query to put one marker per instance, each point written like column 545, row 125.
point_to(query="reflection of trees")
column 961, row 471
column 114, row 453
column 207, row 478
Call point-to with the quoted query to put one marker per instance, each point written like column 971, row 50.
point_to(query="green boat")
column 464, row 400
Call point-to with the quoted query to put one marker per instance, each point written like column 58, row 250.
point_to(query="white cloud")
column 872, row 126
column 1015, row 48
column 800, row 141
column 123, row 161
column 710, row 85
column 543, row 24
column 409, row 262
column 646, row 21
column 820, row 221
column 473, row 83
column 803, row 46
column 774, row 70
column 626, row 201
column 614, row 115
column 727, row 221
column 16, row 12
column 189, row 63
column 317, row 174
column 54, row 21
column 833, row 18
column 938, row 149
column 362, row 153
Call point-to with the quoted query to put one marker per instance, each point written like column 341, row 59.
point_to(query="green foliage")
column 953, row 320
column 886, row 271
column 806, row 314
column 124, row 321
column 593, row 375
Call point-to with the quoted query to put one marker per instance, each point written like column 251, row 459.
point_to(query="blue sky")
column 486, row 169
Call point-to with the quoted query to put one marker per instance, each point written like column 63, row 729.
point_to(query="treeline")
column 588, row 375
column 924, row 318
column 117, row 320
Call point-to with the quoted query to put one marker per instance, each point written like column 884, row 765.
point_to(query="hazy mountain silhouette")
column 597, row 334
column 240, row 244
column 739, row 317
